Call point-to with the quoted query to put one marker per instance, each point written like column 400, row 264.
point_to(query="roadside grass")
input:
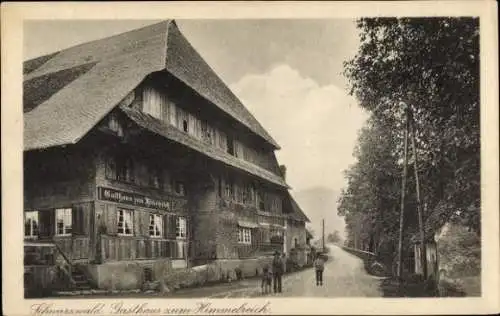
column 409, row 286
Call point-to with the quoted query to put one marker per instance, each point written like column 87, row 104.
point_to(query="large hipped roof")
column 68, row 92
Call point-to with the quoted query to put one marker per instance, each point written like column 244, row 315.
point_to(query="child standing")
column 267, row 277
column 319, row 266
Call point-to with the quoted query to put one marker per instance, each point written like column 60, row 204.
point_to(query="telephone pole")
column 423, row 255
column 323, row 228
column 403, row 189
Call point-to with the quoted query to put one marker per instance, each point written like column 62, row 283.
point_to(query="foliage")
column 460, row 252
column 431, row 67
column 333, row 237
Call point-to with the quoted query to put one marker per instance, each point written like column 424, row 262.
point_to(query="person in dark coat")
column 277, row 272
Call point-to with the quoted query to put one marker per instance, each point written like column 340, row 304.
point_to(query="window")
column 124, row 169
column 155, row 225
column 275, row 204
column 182, row 120
column 114, row 125
column 245, row 236
column 207, row 133
column 228, row 189
column 125, row 222
column 296, row 242
column 276, row 232
column 236, row 149
column 276, row 236
column 63, row 221
column 230, row 145
column 192, row 125
column 111, row 168
column 120, row 167
column 179, row 188
column 260, row 201
column 154, row 177
column 195, row 128
column 180, row 227
column 173, row 114
column 211, row 135
column 238, row 190
column 248, row 194
column 166, row 181
column 222, row 140
column 31, row 222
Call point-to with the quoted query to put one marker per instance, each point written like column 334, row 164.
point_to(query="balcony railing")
column 248, row 251
column 135, row 248
column 71, row 247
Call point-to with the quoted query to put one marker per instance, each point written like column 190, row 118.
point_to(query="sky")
column 286, row 72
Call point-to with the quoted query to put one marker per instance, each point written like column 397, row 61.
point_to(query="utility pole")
column 403, row 189
column 323, row 225
column 423, row 255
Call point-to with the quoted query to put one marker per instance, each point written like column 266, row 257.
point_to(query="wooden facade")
column 113, row 180
column 158, row 164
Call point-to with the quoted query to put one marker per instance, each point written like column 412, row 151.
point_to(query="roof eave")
column 130, row 113
column 52, row 145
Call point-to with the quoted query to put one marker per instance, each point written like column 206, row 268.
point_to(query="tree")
column 333, row 237
column 430, row 65
column 370, row 199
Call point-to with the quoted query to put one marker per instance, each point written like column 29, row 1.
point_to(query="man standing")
column 277, row 271
column 319, row 266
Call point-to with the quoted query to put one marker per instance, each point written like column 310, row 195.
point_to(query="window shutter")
column 111, row 219
column 144, row 223
column 188, row 228
column 137, row 219
column 171, row 225
column 166, row 225
column 77, row 219
column 46, row 223
column 188, row 247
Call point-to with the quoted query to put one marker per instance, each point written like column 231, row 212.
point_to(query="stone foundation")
column 128, row 275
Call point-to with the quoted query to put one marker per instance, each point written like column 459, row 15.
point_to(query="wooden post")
column 423, row 253
column 403, row 189
column 323, row 222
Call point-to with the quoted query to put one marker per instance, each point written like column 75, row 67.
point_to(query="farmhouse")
column 139, row 160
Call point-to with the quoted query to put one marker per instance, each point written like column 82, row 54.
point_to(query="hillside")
column 319, row 203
